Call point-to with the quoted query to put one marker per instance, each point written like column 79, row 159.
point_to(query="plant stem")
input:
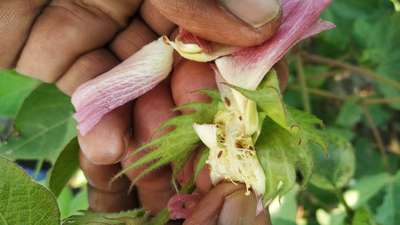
column 372, row 101
column 303, row 85
column 356, row 69
column 319, row 92
column 377, row 136
column 328, row 94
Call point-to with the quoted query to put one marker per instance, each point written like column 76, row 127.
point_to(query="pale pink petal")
column 246, row 68
column 181, row 206
column 135, row 76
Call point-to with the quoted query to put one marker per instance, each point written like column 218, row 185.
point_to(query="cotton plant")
column 252, row 136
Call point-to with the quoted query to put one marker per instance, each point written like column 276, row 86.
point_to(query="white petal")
column 207, row 133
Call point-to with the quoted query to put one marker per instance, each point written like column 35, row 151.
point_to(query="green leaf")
column 161, row 218
column 388, row 213
column 6, row 128
column 14, row 89
column 378, row 47
column 201, row 163
column 336, row 216
column 132, row 217
column 45, row 125
column 363, row 216
column 71, row 203
column 64, row 199
column 280, row 221
column 367, row 187
column 22, row 200
column 281, row 156
column 65, row 166
column 350, row 114
column 334, row 168
column 284, row 208
column 177, row 145
column 268, row 97
column 396, row 4
column 367, row 154
column 305, row 126
column 80, row 201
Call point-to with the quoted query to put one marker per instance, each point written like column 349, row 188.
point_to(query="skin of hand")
column 68, row 42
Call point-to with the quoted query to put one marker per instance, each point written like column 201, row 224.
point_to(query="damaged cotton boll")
column 132, row 78
column 230, row 140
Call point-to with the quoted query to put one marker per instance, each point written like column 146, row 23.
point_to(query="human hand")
column 71, row 42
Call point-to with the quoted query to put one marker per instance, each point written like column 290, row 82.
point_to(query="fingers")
column 263, row 218
column 234, row 22
column 207, row 211
column 188, row 78
column 153, row 17
column 67, row 29
column 16, row 18
column 100, row 201
column 154, row 189
column 106, row 143
column 85, row 68
column 203, row 180
column 99, row 176
column 103, row 195
column 150, row 111
column 130, row 40
column 238, row 209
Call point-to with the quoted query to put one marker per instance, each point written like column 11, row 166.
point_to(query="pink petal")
column 300, row 20
column 132, row 78
column 181, row 206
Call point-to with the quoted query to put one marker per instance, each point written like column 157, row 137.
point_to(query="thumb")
column 233, row 22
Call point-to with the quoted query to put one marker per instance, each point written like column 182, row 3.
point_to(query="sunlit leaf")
column 22, row 200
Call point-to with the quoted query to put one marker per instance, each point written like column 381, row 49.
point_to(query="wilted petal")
column 135, row 76
column 246, row 68
column 191, row 47
column 181, row 206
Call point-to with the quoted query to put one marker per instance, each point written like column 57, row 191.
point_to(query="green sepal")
column 177, row 145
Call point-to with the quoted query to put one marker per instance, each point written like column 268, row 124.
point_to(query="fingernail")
column 254, row 12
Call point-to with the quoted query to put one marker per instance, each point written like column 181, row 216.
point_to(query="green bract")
column 283, row 143
column 257, row 141
column 176, row 146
